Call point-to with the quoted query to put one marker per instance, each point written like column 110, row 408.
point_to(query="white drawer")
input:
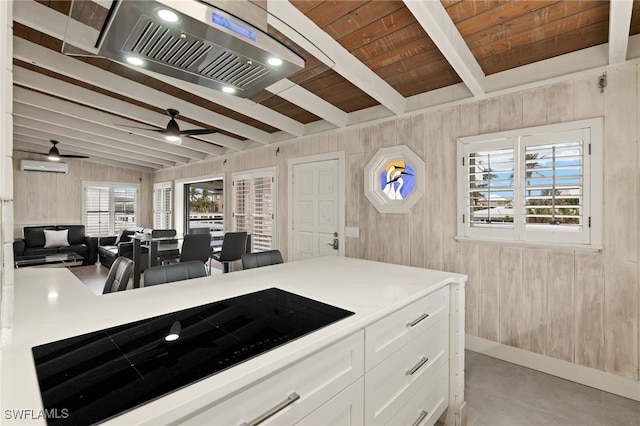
column 394, row 331
column 344, row 409
column 392, row 383
column 315, row 380
column 428, row 403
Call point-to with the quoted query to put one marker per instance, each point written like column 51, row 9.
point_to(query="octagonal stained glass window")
column 394, row 179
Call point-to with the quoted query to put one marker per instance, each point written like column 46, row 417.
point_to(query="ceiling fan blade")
column 193, row 132
column 72, row 156
column 30, row 152
column 144, row 128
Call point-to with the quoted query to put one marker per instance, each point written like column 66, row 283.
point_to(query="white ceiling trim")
column 436, row 22
column 86, row 117
column 298, row 95
column 619, row 25
column 284, row 17
column 62, row 64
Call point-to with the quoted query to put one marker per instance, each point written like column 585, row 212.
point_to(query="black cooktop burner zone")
column 90, row 378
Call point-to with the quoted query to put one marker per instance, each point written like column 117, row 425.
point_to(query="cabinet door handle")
column 417, row 366
column 293, row 397
column 417, row 320
column 421, row 417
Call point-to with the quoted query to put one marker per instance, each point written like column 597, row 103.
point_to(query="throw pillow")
column 124, row 236
column 55, row 239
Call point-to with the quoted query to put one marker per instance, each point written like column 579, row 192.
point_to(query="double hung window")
column 254, row 199
column 534, row 186
column 109, row 207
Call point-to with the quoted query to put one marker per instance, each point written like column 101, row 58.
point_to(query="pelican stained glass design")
column 397, row 180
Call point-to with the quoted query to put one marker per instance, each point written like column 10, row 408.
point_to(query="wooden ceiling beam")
column 108, row 124
column 81, row 71
column 619, row 24
column 284, row 17
column 63, row 126
column 112, row 108
column 436, row 22
column 288, row 90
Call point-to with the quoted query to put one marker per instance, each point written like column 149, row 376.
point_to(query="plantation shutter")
column 97, row 211
column 109, row 208
column 162, row 201
column 262, row 217
column 253, row 211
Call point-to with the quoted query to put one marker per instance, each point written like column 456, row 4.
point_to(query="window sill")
column 583, row 248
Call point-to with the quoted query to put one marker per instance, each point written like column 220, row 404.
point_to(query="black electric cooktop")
column 90, row 378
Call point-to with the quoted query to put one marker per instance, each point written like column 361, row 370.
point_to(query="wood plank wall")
column 56, row 198
column 578, row 307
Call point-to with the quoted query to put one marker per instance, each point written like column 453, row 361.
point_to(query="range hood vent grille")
column 195, row 50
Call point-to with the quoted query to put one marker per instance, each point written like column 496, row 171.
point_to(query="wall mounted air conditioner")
column 43, row 166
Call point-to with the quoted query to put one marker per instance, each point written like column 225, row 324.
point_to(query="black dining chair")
column 196, row 247
column 234, row 245
column 174, row 272
column 119, row 275
column 261, row 258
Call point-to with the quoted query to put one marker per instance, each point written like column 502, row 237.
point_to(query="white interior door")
column 316, row 223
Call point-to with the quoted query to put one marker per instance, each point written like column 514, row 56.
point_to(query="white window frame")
column 163, row 205
column 589, row 238
column 111, row 186
column 267, row 172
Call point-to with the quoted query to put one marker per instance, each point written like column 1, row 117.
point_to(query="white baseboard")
column 597, row 379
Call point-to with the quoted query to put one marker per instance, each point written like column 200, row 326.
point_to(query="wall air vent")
column 43, row 166
column 199, row 43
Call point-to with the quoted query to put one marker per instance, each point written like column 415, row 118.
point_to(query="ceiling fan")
column 172, row 132
column 54, row 154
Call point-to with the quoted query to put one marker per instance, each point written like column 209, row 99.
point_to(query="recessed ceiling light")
column 228, row 89
column 135, row 61
column 167, row 15
column 276, row 62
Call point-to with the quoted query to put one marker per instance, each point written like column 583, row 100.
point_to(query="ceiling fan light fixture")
column 134, row 60
column 54, row 154
column 173, row 139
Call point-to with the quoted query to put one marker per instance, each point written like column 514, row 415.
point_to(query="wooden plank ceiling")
column 363, row 60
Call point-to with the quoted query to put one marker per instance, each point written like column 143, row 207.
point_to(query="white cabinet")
column 344, row 409
column 395, row 371
column 394, row 331
column 290, row 395
column 407, row 352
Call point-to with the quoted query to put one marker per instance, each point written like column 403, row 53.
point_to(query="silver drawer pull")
column 417, row 366
column 423, row 415
column 293, row 397
column 417, row 320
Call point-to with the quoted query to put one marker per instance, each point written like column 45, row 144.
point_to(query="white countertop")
column 52, row 304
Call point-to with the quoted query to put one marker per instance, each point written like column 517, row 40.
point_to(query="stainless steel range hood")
column 205, row 45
